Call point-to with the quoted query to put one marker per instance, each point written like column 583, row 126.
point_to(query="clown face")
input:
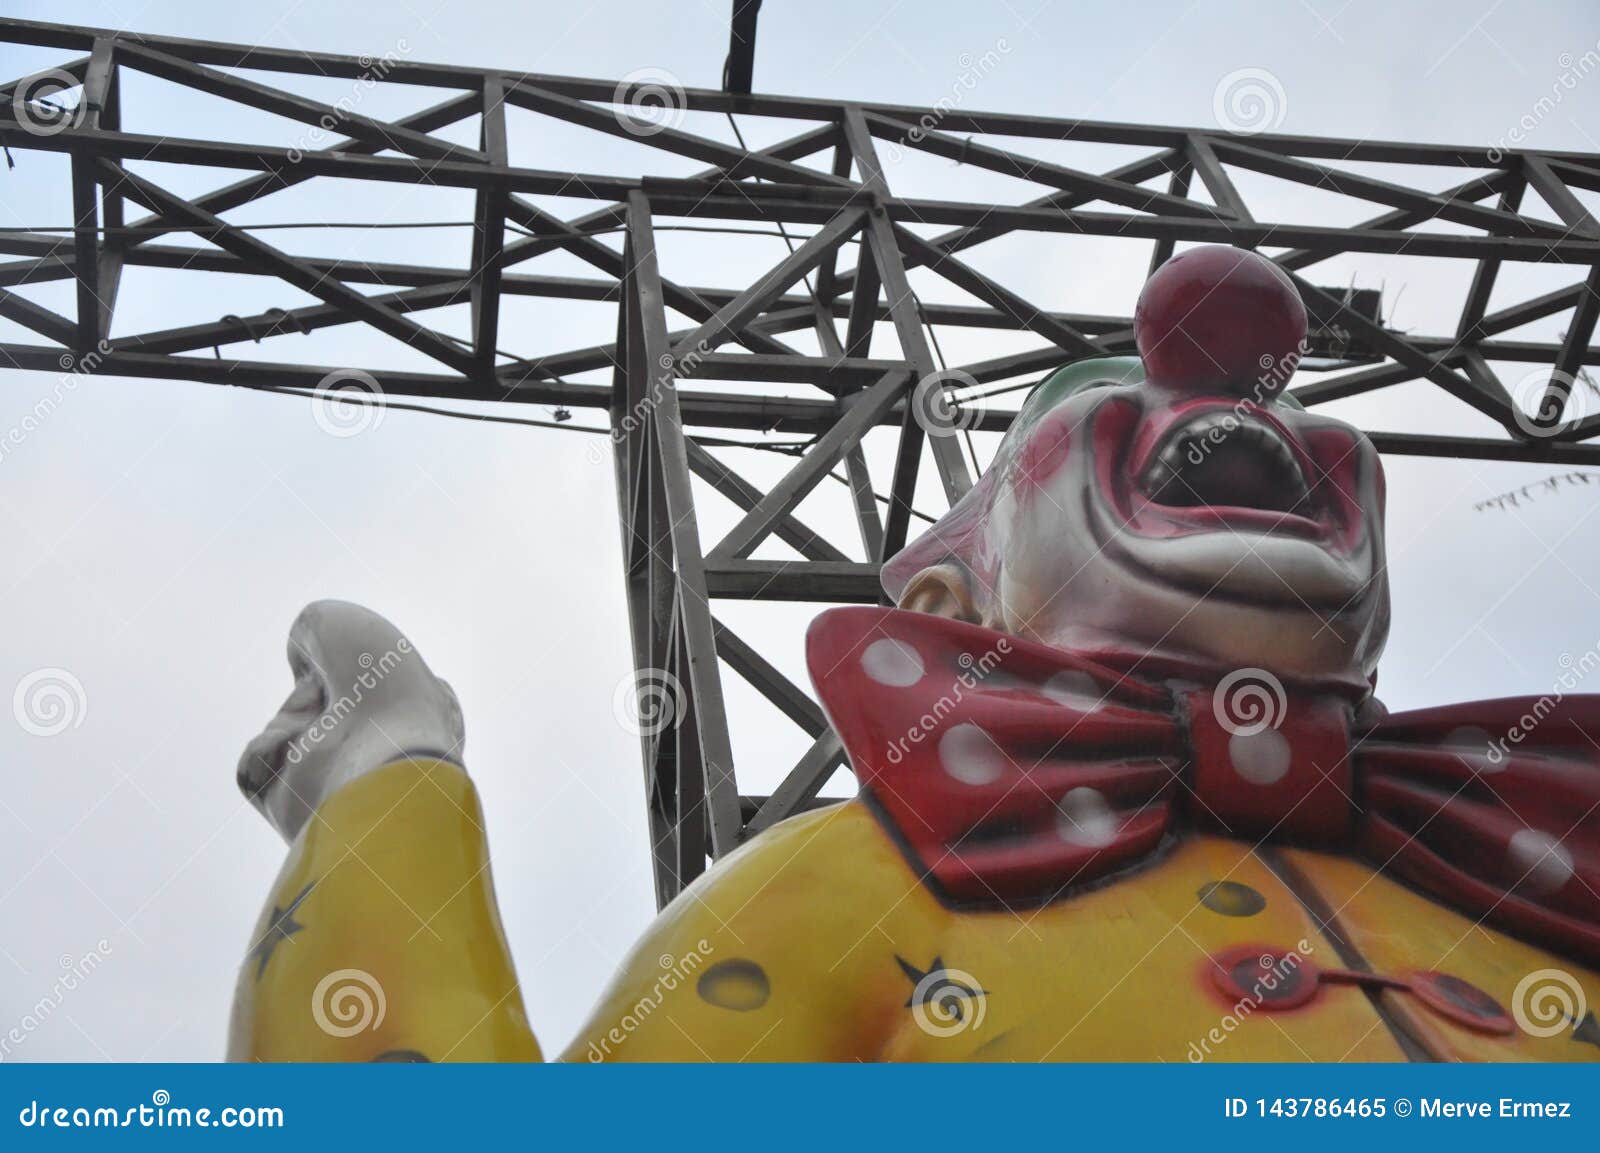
column 1198, row 526
column 1197, row 518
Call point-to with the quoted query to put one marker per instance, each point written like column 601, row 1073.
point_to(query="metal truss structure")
column 669, row 388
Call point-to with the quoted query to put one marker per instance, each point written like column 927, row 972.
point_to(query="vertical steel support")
column 489, row 232
column 1177, row 185
column 647, row 571
column 890, row 266
column 692, row 605
column 1553, row 190
column 102, row 93
column 93, row 316
column 1486, row 272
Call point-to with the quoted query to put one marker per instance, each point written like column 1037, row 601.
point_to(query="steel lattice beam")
column 877, row 339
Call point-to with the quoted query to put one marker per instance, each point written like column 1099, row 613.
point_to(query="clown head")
column 1178, row 507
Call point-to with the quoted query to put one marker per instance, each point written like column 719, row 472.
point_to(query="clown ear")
column 944, row 590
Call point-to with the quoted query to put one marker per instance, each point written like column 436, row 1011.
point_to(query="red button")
column 1264, row 977
column 1462, row 1002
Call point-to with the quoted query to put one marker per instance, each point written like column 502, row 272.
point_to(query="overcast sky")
column 161, row 536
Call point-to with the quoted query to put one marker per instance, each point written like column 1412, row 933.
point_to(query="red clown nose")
column 1218, row 317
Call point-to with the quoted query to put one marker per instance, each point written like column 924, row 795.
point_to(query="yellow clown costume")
column 768, row 970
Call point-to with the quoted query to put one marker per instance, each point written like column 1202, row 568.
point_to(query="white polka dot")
column 893, row 663
column 1074, row 688
column 1472, row 746
column 1540, row 859
column 1261, row 758
column 969, row 755
column 1086, row 819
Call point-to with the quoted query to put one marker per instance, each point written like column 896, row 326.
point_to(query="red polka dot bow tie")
column 1014, row 772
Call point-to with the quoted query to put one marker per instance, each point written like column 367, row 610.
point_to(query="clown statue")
column 1126, row 792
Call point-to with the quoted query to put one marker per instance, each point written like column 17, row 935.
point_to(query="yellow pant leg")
column 382, row 940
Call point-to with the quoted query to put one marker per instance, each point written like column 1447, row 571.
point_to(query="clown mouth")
column 1218, row 460
column 1224, row 502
